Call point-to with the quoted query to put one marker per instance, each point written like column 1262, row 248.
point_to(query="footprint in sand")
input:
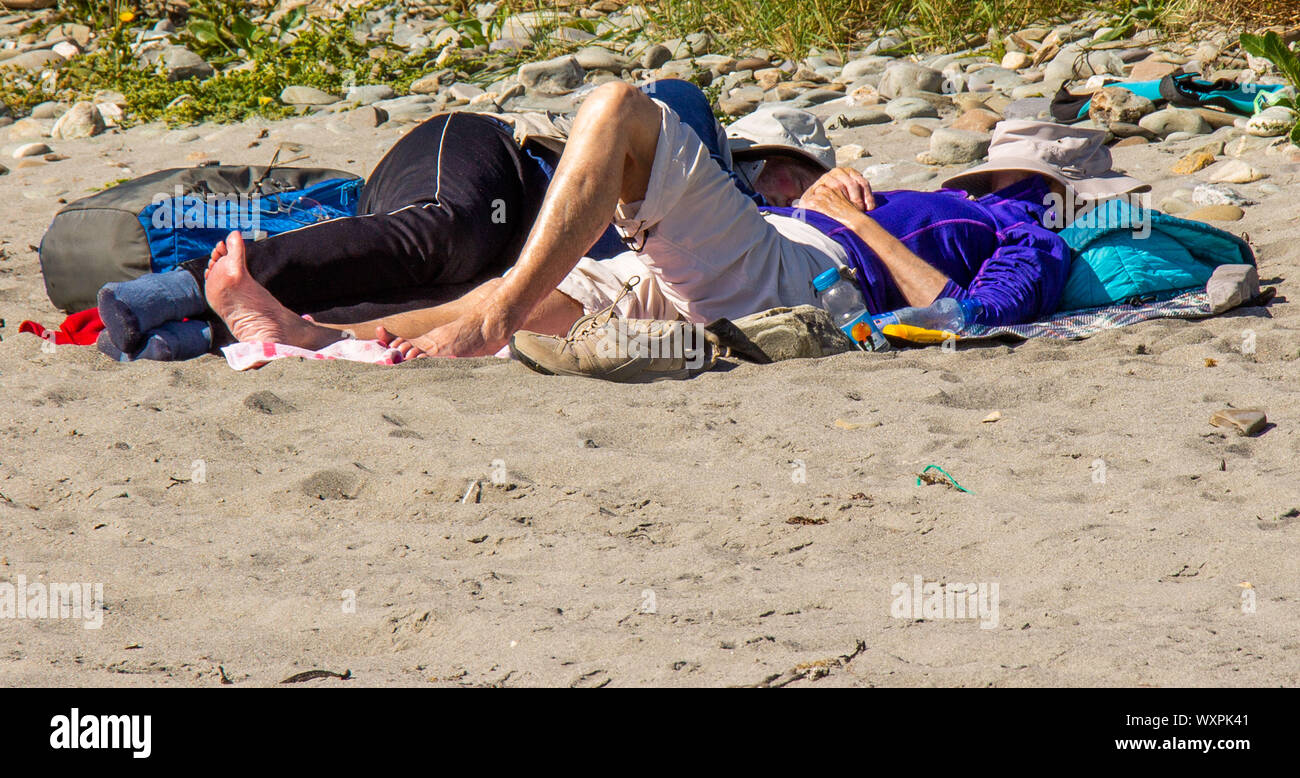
column 268, row 402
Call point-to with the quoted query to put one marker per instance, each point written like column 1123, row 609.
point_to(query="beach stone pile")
column 953, row 100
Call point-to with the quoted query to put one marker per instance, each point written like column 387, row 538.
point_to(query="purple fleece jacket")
column 994, row 249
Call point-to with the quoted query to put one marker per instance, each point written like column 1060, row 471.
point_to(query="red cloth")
column 79, row 329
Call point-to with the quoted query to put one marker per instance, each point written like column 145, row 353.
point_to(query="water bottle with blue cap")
column 842, row 299
column 947, row 314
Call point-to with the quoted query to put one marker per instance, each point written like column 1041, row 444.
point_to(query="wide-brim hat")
column 1075, row 157
column 781, row 130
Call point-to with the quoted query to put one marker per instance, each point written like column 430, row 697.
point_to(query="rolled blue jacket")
column 994, row 249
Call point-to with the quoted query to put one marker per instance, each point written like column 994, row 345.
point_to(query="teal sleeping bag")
column 1122, row 253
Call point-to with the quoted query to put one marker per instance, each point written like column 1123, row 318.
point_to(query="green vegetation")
column 1146, row 13
column 790, row 27
column 322, row 54
column 1270, row 47
column 257, row 58
column 297, row 49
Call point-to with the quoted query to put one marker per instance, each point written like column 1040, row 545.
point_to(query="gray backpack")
column 155, row 222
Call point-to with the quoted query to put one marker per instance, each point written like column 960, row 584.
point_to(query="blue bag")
column 153, row 223
column 186, row 226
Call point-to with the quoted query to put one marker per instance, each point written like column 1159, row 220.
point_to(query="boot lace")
column 602, row 317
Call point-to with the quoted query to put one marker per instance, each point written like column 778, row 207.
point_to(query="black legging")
column 451, row 202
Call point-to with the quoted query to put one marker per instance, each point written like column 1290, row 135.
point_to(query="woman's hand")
column 848, row 182
column 917, row 279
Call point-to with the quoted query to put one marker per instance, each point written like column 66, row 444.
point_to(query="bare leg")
column 608, row 159
column 254, row 315
column 411, row 324
column 554, row 315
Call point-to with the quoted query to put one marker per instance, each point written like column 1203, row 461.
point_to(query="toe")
column 235, row 243
column 406, row 348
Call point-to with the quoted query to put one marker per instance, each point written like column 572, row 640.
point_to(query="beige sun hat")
column 1075, row 157
column 782, row 130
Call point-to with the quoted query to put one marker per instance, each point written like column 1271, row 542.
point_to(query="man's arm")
column 917, row 279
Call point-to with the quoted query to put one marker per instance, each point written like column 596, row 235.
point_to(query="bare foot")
column 251, row 312
column 405, row 347
column 472, row 335
column 218, row 252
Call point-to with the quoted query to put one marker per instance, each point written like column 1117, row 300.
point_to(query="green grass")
column 791, row 27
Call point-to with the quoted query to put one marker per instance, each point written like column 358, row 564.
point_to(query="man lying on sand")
column 449, row 206
column 451, row 202
column 701, row 248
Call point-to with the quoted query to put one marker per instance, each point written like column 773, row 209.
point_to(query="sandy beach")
column 746, row 527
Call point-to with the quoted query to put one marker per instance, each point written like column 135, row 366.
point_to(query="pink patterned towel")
column 243, row 356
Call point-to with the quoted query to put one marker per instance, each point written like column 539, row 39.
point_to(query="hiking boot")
column 603, row 345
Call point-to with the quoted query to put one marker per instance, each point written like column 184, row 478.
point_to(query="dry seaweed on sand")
column 311, row 675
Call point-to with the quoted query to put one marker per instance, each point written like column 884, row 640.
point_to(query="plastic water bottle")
column 947, row 314
column 842, row 300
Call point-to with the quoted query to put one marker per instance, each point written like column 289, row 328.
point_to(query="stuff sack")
column 153, row 223
column 1126, row 254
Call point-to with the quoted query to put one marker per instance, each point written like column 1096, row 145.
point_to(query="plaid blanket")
column 1086, row 322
